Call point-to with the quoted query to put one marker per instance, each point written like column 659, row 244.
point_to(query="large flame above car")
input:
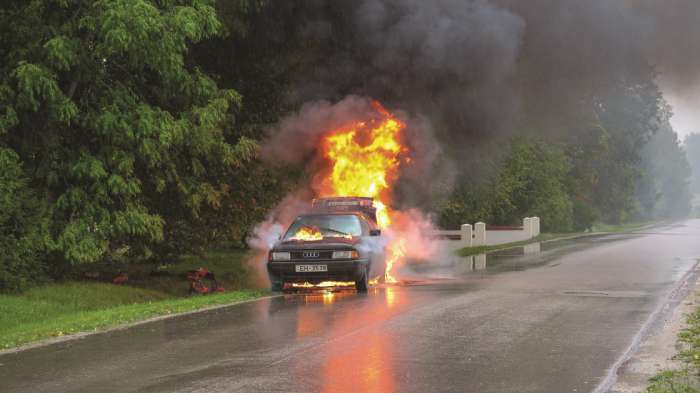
column 365, row 158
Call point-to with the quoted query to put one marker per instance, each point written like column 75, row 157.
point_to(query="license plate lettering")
column 310, row 268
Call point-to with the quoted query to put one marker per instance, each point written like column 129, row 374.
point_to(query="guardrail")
column 482, row 235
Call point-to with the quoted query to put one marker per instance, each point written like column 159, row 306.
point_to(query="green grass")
column 686, row 379
column 71, row 307
column 230, row 267
column 62, row 309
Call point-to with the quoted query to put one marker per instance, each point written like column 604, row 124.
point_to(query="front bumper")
column 284, row 272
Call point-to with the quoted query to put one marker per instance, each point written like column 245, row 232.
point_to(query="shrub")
column 22, row 261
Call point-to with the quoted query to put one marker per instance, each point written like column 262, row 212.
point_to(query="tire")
column 277, row 286
column 362, row 284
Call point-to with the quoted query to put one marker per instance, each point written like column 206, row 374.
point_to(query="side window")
column 365, row 227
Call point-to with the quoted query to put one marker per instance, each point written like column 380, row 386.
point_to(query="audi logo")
column 311, row 254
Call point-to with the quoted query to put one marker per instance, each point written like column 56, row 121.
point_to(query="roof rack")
column 363, row 205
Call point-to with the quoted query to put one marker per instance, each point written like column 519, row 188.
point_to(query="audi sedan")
column 336, row 246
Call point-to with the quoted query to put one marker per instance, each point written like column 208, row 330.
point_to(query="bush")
column 464, row 206
column 584, row 216
column 22, row 261
column 532, row 183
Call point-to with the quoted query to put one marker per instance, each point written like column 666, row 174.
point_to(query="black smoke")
column 476, row 71
column 475, row 68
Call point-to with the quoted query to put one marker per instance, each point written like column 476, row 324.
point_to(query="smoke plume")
column 479, row 69
column 463, row 74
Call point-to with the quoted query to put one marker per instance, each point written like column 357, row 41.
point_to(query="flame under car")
column 339, row 241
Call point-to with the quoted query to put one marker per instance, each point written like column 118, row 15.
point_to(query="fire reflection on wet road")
column 515, row 321
column 362, row 368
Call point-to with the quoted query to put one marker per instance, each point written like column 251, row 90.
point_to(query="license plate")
column 310, row 268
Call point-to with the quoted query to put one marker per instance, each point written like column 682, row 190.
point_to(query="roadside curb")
column 81, row 335
column 675, row 296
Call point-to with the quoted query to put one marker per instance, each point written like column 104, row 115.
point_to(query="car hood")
column 325, row 244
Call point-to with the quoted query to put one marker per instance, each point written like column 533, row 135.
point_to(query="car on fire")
column 339, row 240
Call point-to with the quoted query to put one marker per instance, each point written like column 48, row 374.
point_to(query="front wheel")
column 363, row 282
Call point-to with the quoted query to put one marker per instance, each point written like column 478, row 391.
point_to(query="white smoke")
column 268, row 232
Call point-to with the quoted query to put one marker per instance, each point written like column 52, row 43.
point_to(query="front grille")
column 312, row 255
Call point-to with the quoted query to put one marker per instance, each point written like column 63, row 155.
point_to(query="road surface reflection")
column 349, row 368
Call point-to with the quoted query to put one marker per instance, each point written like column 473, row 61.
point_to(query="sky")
column 686, row 111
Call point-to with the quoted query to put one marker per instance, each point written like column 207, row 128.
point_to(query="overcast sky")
column 686, row 112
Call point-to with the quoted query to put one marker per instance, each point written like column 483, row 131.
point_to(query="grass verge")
column 71, row 307
column 62, row 309
column 230, row 267
column 687, row 378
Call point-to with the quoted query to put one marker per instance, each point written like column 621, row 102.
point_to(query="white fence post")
column 479, row 234
column 527, row 227
column 537, row 226
column 466, row 235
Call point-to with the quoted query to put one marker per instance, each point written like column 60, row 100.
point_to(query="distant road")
column 551, row 321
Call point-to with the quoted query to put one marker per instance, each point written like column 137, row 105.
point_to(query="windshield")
column 317, row 227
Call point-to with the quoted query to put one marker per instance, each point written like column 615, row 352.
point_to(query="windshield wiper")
column 334, row 230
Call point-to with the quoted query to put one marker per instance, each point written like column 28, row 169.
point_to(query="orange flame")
column 396, row 251
column 365, row 158
column 308, row 234
column 329, row 284
column 324, row 284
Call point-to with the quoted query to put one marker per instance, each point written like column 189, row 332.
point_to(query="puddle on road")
column 511, row 259
column 608, row 294
column 451, row 268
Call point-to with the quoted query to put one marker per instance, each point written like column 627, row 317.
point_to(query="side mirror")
column 375, row 232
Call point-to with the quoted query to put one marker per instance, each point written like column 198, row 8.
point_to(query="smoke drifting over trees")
column 472, row 63
column 583, row 75
column 147, row 149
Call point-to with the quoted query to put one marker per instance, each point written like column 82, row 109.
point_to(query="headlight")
column 280, row 256
column 350, row 254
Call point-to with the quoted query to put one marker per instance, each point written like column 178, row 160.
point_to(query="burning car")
column 339, row 240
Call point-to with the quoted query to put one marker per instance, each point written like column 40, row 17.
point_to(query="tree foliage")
column 129, row 128
column 664, row 191
column 531, row 181
column 123, row 134
column 21, row 227
column 692, row 147
column 623, row 163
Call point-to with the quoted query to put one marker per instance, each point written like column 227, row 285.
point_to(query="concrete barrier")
column 502, row 236
column 527, row 227
column 467, row 235
column 481, row 235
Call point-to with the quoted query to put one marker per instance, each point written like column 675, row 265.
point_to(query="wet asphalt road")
column 554, row 320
